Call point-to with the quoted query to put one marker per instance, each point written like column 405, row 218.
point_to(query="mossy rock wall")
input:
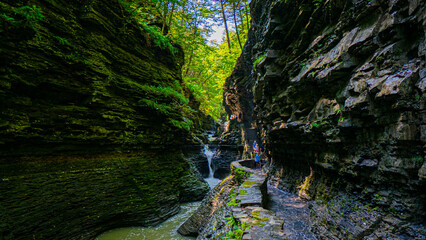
column 89, row 106
column 79, row 197
column 81, row 79
column 339, row 91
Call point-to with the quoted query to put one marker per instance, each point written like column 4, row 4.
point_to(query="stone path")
column 287, row 216
column 261, row 223
column 250, row 191
column 293, row 211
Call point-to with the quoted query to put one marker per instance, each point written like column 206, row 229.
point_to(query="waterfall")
column 211, row 180
column 209, row 155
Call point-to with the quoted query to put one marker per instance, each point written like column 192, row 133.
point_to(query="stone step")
column 249, row 193
column 262, row 223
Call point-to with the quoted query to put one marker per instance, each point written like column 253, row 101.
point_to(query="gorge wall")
column 89, row 104
column 338, row 88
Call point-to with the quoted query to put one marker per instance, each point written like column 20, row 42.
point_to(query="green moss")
column 248, row 184
column 241, row 174
column 258, row 60
column 88, row 191
column 255, row 214
column 242, row 192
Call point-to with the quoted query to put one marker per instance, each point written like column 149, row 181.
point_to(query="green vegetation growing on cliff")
column 189, row 24
column 236, row 229
column 159, row 39
column 23, row 16
column 207, row 72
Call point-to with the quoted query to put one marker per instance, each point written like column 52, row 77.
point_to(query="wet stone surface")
column 262, row 223
column 258, row 207
column 293, row 211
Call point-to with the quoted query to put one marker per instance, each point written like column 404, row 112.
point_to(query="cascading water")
column 166, row 230
column 209, row 155
column 211, row 180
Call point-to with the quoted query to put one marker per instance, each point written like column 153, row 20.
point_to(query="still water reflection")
column 164, row 231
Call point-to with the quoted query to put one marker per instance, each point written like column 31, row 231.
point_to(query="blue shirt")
column 257, row 158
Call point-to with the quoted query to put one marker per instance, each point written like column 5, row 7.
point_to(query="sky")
column 217, row 35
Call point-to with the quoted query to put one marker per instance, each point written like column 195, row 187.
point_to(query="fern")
column 161, row 107
column 26, row 16
column 62, row 41
column 162, row 91
column 159, row 39
column 31, row 14
column 186, row 124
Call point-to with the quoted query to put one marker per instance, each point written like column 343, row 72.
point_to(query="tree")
column 188, row 23
column 235, row 3
column 226, row 26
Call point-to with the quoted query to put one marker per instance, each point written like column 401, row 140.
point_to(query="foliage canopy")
column 189, row 24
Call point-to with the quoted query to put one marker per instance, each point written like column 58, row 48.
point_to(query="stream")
column 212, row 181
column 168, row 229
column 165, row 231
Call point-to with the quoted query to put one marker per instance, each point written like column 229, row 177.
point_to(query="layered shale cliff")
column 89, row 102
column 338, row 88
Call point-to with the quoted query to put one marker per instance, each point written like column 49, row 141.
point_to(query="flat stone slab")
column 249, row 193
column 261, row 223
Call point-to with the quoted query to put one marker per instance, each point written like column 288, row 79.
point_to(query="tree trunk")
column 226, row 26
column 171, row 15
column 165, row 12
column 189, row 62
column 240, row 12
column 236, row 25
column 247, row 16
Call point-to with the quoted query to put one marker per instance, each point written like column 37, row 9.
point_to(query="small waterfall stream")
column 166, row 230
column 209, row 155
column 211, row 180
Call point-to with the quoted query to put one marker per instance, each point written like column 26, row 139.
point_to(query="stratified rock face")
column 222, row 159
column 215, row 201
column 80, row 197
column 339, row 93
column 79, row 77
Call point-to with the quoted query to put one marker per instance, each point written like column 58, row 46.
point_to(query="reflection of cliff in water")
column 165, row 231
column 98, row 192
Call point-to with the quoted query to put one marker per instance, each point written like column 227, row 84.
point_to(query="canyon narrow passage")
column 212, row 120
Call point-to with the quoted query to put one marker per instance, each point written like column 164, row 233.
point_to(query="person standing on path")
column 258, row 160
column 253, row 153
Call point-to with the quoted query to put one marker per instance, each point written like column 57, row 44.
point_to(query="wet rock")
column 344, row 98
column 242, row 207
column 222, row 160
column 83, row 196
column 194, row 187
column 199, row 160
column 82, row 150
column 213, row 202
